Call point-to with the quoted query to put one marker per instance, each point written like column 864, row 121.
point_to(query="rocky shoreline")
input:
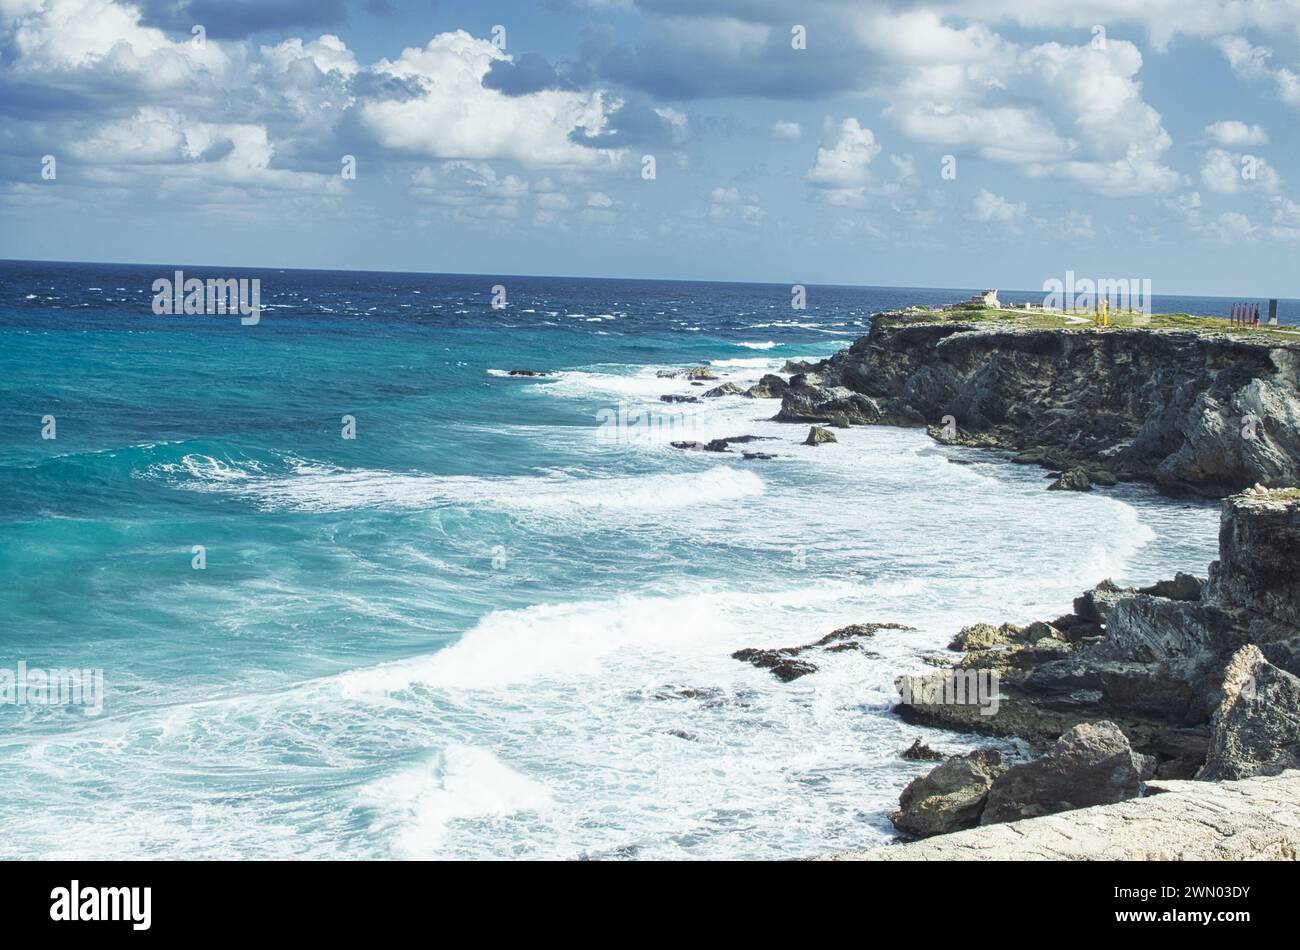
column 1195, row 678
column 1187, row 679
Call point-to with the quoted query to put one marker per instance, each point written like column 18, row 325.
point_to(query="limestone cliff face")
column 1192, row 412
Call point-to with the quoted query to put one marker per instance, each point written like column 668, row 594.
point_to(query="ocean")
column 498, row 622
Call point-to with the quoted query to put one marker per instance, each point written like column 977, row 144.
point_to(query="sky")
column 980, row 143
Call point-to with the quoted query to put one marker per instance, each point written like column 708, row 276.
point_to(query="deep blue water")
column 466, row 631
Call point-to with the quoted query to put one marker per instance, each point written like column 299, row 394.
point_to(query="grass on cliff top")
column 1082, row 320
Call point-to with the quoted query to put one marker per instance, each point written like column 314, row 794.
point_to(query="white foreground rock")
column 1253, row 819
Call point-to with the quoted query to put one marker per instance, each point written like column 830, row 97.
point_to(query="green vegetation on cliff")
column 1038, row 319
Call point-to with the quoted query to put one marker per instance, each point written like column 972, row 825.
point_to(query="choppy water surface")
column 495, row 624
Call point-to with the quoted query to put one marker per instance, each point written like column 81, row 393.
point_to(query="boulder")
column 1076, row 479
column 1257, row 725
column 674, row 397
column 770, row 386
column 1092, row 764
column 726, row 389
column 818, row 436
column 984, row 636
column 950, row 796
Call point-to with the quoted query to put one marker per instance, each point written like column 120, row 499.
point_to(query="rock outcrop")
column 787, row 663
column 1157, row 662
column 1257, row 726
column 1191, row 411
column 950, row 796
column 1076, row 479
column 1092, row 764
column 819, row 436
column 1254, row 819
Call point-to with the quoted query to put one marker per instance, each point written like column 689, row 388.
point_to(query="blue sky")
column 1112, row 138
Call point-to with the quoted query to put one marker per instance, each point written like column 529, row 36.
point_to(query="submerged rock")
column 674, row 397
column 1092, row 764
column 950, row 796
column 783, row 663
column 527, row 372
column 719, row 445
column 695, row 372
column 918, row 751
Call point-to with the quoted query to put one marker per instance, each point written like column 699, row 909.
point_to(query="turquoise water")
column 493, row 624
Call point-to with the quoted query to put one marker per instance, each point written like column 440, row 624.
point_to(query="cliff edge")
column 1205, row 413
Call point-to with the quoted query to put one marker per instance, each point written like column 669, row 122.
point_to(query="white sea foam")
column 575, row 640
column 415, row 805
column 320, row 488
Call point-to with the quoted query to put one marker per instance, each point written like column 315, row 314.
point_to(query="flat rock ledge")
column 1253, row 819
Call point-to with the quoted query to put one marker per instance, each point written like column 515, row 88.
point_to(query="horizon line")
column 665, row 280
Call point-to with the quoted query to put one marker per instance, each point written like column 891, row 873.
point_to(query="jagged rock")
column 1182, row 587
column 783, row 663
column 950, row 796
column 674, row 397
column 726, row 389
column 1076, row 479
column 783, row 666
column 756, row 456
column 1259, row 555
column 689, row 446
column 794, row 367
column 918, row 751
column 1257, row 725
column 983, row 636
column 1092, row 764
column 1093, row 606
column 835, row 406
column 818, row 436
column 770, row 386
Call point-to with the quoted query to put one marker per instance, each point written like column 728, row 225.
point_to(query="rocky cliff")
column 1194, row 412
